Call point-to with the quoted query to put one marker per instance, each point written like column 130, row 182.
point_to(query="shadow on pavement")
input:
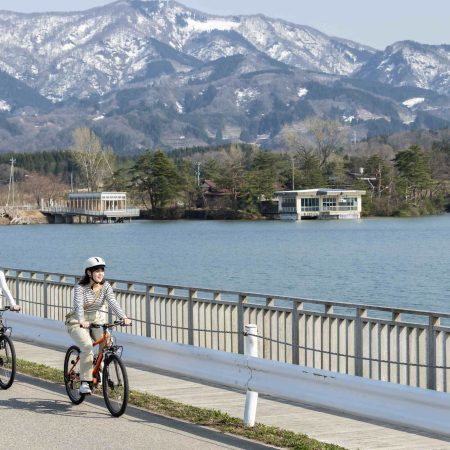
column 65, row 407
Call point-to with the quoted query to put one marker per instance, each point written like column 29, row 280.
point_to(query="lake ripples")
column 391, row 262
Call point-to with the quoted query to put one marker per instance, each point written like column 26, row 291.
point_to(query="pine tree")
column 414, row 173
column 157, row 179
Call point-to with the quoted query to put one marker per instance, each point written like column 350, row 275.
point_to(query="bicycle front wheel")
column 7, row 362
column 72, row 379
column 115, row 385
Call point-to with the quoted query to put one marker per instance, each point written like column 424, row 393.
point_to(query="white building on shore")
column 92, row 207
column 320, row 204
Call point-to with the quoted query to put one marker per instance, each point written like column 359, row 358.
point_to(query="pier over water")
column 92, row 207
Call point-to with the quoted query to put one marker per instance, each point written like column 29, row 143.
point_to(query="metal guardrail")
column 420, row 409
column 404, row 346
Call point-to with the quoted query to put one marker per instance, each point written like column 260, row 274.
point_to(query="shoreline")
column 36, row 217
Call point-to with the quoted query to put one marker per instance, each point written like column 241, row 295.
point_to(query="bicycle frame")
column 8, row 354
column 96, row 370
column 115, row 385
column 4, row 329
column 107, row 348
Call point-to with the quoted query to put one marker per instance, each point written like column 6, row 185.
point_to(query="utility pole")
column 293, row 171
column 11, row 182
column 198, row 173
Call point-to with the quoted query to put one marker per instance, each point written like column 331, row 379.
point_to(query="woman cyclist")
column 90, row 295
column 7, row 293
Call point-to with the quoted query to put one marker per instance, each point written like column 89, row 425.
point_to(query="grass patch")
column 40, row 371
column 200, row 416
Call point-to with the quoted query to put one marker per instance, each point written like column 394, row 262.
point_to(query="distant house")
column 320, row 204
column 213, row 196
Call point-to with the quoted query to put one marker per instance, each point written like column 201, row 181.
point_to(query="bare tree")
column 233, row 172
column 37, row 187
column 94, row 160
column 317, row 136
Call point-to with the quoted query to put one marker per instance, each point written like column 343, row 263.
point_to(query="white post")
column 251, row 400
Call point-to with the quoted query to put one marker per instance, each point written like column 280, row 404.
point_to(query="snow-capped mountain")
column 156, row 73
column 409, row 63
column 95, row 51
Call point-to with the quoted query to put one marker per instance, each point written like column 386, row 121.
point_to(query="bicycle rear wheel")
column 72, row 379
column 115, row 385
column 7, row 362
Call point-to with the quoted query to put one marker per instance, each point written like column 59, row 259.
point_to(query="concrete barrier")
column 417, row 408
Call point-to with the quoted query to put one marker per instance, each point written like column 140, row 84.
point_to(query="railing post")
column 360, row 313
column 241, row 301
column 433, row 321
column 251, row 399
column 46, row 278
column 18, row 289
column 192, row 296
column 296, row 307
column 150, row 290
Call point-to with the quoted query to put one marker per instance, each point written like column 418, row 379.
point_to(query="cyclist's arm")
column 114, row 305
column 78, row 302
column 7, row 292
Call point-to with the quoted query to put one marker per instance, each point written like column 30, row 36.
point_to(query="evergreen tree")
column 414, row 173
column 311, row 175
column 262, row 179
column 156, row 178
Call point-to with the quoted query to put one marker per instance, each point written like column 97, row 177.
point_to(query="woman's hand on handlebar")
column 15, row 308
column 126, row 321
column 84, row 324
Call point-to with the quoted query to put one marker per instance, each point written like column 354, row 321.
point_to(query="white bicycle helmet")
column 94, row 261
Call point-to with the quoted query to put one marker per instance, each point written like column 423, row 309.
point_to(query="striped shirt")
column 5, row 292
column 85, row 300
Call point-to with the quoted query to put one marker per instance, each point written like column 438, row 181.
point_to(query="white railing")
column 409, row 347
column 401, row 405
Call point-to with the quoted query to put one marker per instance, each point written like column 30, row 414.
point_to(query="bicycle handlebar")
column 108, row 325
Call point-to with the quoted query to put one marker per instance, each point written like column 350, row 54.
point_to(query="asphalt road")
column 39, row 415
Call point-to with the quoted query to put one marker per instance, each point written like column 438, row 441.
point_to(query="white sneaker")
column 84, row 388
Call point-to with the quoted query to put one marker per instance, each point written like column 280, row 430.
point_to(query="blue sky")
column 377, row 24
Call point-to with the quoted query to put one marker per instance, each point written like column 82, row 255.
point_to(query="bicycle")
column 113, row 377
column 7, row 354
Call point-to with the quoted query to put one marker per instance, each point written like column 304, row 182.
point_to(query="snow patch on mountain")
column 413, row 101
column 209, row 25
column 179, row 107
column 4, row 106
column 245, row 95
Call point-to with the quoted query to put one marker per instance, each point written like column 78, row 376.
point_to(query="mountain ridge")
column 199, row 78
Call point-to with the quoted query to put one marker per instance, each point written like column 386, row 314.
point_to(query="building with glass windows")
column 92, row 207
column 319, row 204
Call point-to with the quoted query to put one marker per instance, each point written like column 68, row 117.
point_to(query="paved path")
column 36, row 414
column 326, row 426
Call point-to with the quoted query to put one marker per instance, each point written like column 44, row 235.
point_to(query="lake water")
column 391, row 262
